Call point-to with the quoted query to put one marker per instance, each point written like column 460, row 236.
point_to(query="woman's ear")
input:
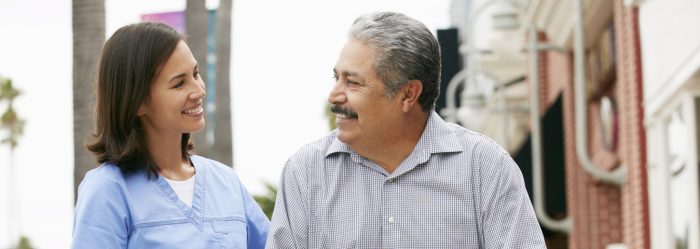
column 410, row 93
column 142, row 110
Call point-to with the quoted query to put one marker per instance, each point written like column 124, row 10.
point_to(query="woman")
column 150, row 192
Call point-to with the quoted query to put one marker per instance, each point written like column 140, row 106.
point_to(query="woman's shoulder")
column 106, row 172
column 216, row 170
column 210, row 164
column 106, row 180
column 214, row 167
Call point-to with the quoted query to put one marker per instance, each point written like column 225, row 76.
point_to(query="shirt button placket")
column 390, row 209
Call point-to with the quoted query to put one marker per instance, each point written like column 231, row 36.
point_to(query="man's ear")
column 410, row 93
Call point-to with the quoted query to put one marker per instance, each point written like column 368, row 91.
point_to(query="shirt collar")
column 337, row 146
column 437, row 137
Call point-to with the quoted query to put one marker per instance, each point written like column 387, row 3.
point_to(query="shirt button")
column 391, row 219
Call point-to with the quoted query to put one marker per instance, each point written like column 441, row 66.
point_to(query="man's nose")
column 337, row 94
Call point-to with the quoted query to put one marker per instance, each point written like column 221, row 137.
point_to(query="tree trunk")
column 196, row 25
column 223, row 136
column 88, row 38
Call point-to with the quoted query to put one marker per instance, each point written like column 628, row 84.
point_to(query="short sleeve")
column 508, row 219
column 290, row 219
column 101, row 216
column 257, row 223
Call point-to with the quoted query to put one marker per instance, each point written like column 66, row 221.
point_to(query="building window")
column 681, row 180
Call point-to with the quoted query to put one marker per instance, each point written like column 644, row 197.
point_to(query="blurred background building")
column 597, row 101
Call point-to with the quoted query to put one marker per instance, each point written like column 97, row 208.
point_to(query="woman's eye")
column 179, row 84
column 196, row 75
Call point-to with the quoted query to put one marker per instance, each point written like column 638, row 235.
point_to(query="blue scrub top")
column 117, row 210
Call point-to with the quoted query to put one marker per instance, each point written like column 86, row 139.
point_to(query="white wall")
column 670, row 42
column 670, row 45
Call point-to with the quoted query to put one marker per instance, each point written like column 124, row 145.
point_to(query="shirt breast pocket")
column 231, row 234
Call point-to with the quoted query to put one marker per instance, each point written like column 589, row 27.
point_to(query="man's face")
column 364, row 114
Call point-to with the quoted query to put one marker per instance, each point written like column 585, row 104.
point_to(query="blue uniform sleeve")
column 508, row 218
column 258, row 224
column 101, row 215
column 290, row 219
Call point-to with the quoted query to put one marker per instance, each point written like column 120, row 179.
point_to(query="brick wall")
column 632, row 149
column 595, row 208
column 602, row 213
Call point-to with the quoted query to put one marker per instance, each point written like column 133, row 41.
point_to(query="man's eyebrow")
column 353, row 74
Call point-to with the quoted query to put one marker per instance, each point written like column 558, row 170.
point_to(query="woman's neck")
column 166, row 152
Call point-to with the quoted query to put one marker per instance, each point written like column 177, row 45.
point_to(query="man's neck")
column 390, row 151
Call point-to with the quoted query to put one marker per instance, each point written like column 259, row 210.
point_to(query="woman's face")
column 175, row 103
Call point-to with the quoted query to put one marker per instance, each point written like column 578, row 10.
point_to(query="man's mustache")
column 345, row 111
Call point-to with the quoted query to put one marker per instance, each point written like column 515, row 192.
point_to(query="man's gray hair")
column 405, row 50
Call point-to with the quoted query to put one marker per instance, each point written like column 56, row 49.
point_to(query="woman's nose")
column 199, row 92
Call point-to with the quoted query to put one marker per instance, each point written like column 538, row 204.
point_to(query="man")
column 394, row 174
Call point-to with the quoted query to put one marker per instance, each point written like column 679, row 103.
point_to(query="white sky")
column 282, row 56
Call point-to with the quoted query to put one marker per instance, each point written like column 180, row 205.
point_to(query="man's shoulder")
column 473, row 141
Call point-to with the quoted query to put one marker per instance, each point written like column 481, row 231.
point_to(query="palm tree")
column 10, row 121
column 196, row 25
column 88, row 38
column 24, row 243
column 15, row 128
column 222, row 142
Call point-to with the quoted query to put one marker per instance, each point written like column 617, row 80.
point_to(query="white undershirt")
column 183, row 189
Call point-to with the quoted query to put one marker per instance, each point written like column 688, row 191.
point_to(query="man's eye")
column 197, row 75
column 350, row 82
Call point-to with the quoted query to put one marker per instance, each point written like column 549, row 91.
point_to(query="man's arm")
column 508, row 219
column 289, row 227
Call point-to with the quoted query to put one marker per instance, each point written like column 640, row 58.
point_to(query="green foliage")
column 267, row 201
column 9, row 119
column 7, row 91
column 23, row 243
column 331, row 117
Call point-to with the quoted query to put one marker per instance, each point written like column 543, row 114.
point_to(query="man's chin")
column 344, row 136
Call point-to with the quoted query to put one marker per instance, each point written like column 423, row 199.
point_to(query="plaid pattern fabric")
column 458, row 189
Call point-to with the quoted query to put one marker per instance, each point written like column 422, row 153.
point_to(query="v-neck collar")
column 193, row 214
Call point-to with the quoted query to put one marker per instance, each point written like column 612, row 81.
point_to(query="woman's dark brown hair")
column 131, row 59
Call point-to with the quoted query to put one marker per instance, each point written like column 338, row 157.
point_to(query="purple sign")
column 174, row 19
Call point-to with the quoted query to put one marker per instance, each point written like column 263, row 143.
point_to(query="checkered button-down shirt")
column 457, row 189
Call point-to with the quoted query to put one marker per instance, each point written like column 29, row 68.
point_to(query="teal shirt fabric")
column 117, row 210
